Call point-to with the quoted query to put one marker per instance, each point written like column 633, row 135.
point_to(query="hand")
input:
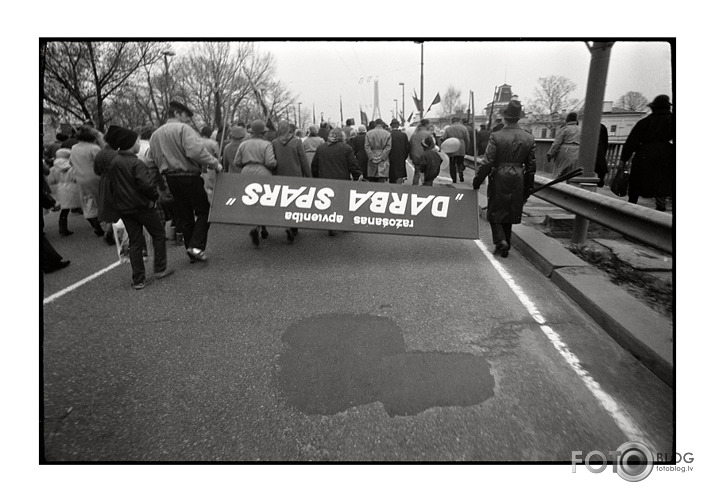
column 475, row 185
column 549, row 157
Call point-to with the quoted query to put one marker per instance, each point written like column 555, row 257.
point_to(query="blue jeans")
column 135, row 223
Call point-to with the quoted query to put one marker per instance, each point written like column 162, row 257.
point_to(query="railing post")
column 580, row 226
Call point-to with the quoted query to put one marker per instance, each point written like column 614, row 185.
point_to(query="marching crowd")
column 168, row 174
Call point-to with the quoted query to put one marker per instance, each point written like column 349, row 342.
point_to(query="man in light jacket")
column 177, row 150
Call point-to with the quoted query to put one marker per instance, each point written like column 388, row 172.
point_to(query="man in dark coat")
column 601, row 167
column 398, row 153
column 456, row 159
column 470, row 133
column 482, row 139
column 510, row 163
column 653, row 167
column 358, row 145
column 335, row 160
column 416, row 148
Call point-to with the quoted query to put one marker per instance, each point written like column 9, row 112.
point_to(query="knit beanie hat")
column 123, row 139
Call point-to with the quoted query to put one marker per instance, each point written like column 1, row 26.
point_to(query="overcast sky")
column 320, row 72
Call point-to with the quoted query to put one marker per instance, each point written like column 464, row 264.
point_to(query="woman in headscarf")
column 255, row 156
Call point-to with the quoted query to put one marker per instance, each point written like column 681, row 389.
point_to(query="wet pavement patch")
column 334, row 362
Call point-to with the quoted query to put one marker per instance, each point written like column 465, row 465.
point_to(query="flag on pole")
column 313, row 113
column 434, row 102
column 363, row 117
column 409, row 119
column 417, row 101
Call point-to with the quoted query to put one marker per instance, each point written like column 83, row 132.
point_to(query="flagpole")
column 422, row 78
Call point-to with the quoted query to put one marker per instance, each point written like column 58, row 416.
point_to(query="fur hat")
column 123, row 139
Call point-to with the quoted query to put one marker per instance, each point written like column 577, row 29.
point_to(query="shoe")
column 290, row 235
column 109, row 238
column 99, row 232
column 332, row 233
column 461, row 178
column 264, row 234
column 254, row 236
column 196, row 255
column 61, row 265
column 500, row 247
column 66, row 233
column 138, row 286
column 164, row 273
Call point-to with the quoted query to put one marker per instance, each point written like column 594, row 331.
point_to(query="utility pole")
column 167, row 76
column 591, row 126
column 403, row 104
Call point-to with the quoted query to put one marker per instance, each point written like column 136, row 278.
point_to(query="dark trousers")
column 501, row 232
column 135, row 224
column 456, row 165
column 191, row 207
column 63, row 220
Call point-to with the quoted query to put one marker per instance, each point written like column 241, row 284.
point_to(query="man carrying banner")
column 176, row 149
column 335, row 159
column 510, row 163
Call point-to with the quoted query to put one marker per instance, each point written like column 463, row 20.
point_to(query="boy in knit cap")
column 134, row 193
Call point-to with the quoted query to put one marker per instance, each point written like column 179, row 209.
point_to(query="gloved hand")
column 475, row 185
column 549, row 157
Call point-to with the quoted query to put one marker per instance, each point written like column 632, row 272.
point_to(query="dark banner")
column 318, row 203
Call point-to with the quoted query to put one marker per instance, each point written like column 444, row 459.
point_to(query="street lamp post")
column 396, row 110
column 167, row 54
column 403, row 104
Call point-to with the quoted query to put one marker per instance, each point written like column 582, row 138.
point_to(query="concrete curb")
column 632, row 324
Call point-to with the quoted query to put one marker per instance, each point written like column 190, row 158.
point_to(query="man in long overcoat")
column 510, row 163
column 398, row 153
column 652, row 142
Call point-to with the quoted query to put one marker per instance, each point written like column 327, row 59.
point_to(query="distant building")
column 493, row 108
column 618, row 122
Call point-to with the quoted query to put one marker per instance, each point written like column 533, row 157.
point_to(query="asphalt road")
column 358, row 347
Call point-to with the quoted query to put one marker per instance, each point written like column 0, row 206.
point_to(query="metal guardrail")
column 648, row 226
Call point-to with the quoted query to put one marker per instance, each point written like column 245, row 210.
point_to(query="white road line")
column 624, row 421
column 59, row 294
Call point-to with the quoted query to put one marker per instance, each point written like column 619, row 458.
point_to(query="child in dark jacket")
column 134, row 194
column 429, row 162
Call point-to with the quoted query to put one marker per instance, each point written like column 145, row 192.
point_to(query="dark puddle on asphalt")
column 335, row 362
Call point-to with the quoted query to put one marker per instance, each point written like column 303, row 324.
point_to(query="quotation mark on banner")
column 458, row 197
column 230, row 201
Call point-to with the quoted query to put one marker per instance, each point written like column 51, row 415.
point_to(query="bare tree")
column 632, row 101
column 553, row 95
column 80, row 78
column 451, row 101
